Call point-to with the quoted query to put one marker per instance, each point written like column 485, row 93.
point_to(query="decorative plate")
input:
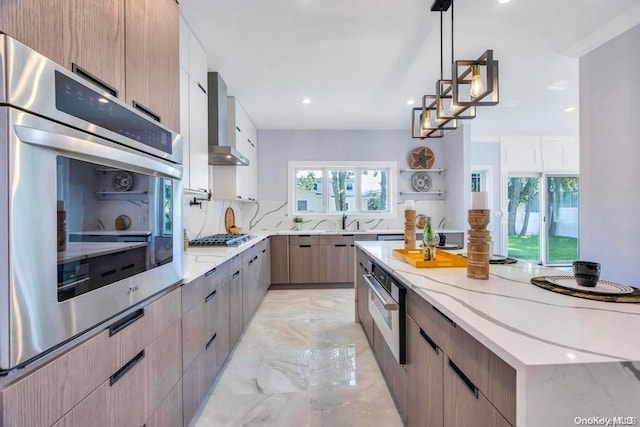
column 421, row 181
column 421, row 158
column 123, row 222
column 122, row 181
column 603, row 286
column 421, row 221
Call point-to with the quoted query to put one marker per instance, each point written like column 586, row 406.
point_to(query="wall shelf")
column 423, row 193
column 438, row 171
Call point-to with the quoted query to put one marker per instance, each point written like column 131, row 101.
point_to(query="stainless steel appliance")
column 221, row 240
column 74, row 156
column 387, row 307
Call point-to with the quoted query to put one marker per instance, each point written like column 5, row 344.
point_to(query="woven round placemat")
column 507, row 260
column 633, row 297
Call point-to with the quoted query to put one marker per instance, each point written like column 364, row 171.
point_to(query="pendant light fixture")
column 473, row 83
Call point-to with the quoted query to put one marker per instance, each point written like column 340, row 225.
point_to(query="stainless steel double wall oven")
column 75, row 159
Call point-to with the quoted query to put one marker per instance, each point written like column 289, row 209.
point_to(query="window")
column 357, row 187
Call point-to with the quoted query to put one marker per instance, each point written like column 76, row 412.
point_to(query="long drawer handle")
column 76, row 69
column 210, row 296
column 209, row 273
column 381, row 293
column 146, row 111
column 340, row 246
column 347, row 235
column 108, row 273
column 445, row 317
column 472, row 387
column 128, row 320
column 304, row 235
column 126, row 368
column 127, row 267
column 208, row 344
column 202, row 88
column 236, row 274
column 431, row 342
column 304, row 246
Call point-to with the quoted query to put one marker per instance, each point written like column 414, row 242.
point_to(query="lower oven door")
column 388, row 316
column 63, row 180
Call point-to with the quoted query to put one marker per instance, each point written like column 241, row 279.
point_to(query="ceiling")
column 359, row 61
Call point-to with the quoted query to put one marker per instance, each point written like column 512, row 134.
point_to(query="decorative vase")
column 297, row 226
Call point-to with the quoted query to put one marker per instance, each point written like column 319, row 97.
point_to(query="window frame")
column 357, row 167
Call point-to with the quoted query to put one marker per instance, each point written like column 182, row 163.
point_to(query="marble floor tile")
column 302, row 361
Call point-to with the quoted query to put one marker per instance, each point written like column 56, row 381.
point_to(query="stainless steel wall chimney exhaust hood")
column 220, row 152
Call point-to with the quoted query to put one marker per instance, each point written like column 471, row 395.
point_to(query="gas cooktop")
column 221, row 240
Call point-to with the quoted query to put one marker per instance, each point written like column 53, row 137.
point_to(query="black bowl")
column 586, row 273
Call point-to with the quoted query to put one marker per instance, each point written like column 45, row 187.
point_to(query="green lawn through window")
column 528, row 247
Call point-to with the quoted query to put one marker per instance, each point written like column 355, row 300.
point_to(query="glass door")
column 523, row 217
column 561, row 222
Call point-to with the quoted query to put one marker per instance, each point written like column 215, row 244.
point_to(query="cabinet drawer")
column 303, row 239
column 169, row 311
column 492, row 375
column 169, row 414
column 165, row 364
column 432, row 321
column 91, row 412
column 464, row 405
column 134, row 332
column 197, row 290
column 128, row 393
column 336, row 239
column 60, row 385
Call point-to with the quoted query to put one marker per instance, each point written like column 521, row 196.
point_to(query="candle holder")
column 478, row 244
column 409, row 229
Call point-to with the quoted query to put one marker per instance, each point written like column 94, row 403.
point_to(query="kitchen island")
column 573, row 358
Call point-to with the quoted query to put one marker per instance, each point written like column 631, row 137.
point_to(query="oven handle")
column 388, row 303
column 121, row 158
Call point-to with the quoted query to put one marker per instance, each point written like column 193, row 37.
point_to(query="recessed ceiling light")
column 306, row 101
column 503, row 1
column 103, row 100
column 228, row 156
column 559, row 85
column 411, row 102
column 570, row 109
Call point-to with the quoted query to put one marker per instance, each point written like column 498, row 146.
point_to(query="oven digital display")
column 78, row 100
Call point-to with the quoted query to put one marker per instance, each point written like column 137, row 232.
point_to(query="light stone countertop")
column 573, row 357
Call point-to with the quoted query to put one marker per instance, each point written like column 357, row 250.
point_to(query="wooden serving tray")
column 443, row 258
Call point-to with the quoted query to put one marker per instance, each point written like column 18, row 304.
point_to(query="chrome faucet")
column 344, row 221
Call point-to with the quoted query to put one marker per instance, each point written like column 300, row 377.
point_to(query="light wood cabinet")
column 236, row 324
column 425, row 382
column 339, row 262
column 307, row 260
column 165, row 364
column 35, row 23
column 152, row 58
column 250, row 284
column 90, row 30
column 362, row 303
column 394, row 373
column 464, row 405
column 91, row 412
column 169, row 413
column 264, row 257
column 279, row 259
column 128, row 393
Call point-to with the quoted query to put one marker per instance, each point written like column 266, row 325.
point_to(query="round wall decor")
column 421, row 181
column 421, row 158
column 122, row 181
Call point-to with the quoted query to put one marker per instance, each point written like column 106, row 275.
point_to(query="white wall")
column 277, row 147
column 457, row 150
column 609, row 154
column 485, row 155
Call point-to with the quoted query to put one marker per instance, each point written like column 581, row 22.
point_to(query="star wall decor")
column 421, row 158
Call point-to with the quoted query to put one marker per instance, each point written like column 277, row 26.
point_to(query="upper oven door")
column 62, row 180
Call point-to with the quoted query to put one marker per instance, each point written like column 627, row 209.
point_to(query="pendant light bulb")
column 440, row 111
column 477, row 87
column 426, row 120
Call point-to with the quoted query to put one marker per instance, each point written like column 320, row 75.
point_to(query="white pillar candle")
column 409, row 205
column 480, row 200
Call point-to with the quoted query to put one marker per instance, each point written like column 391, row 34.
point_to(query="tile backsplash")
column 274, row 215
column 209, row 218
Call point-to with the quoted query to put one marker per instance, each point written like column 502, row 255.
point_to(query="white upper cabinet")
column 238, row 182
column 194, row 125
